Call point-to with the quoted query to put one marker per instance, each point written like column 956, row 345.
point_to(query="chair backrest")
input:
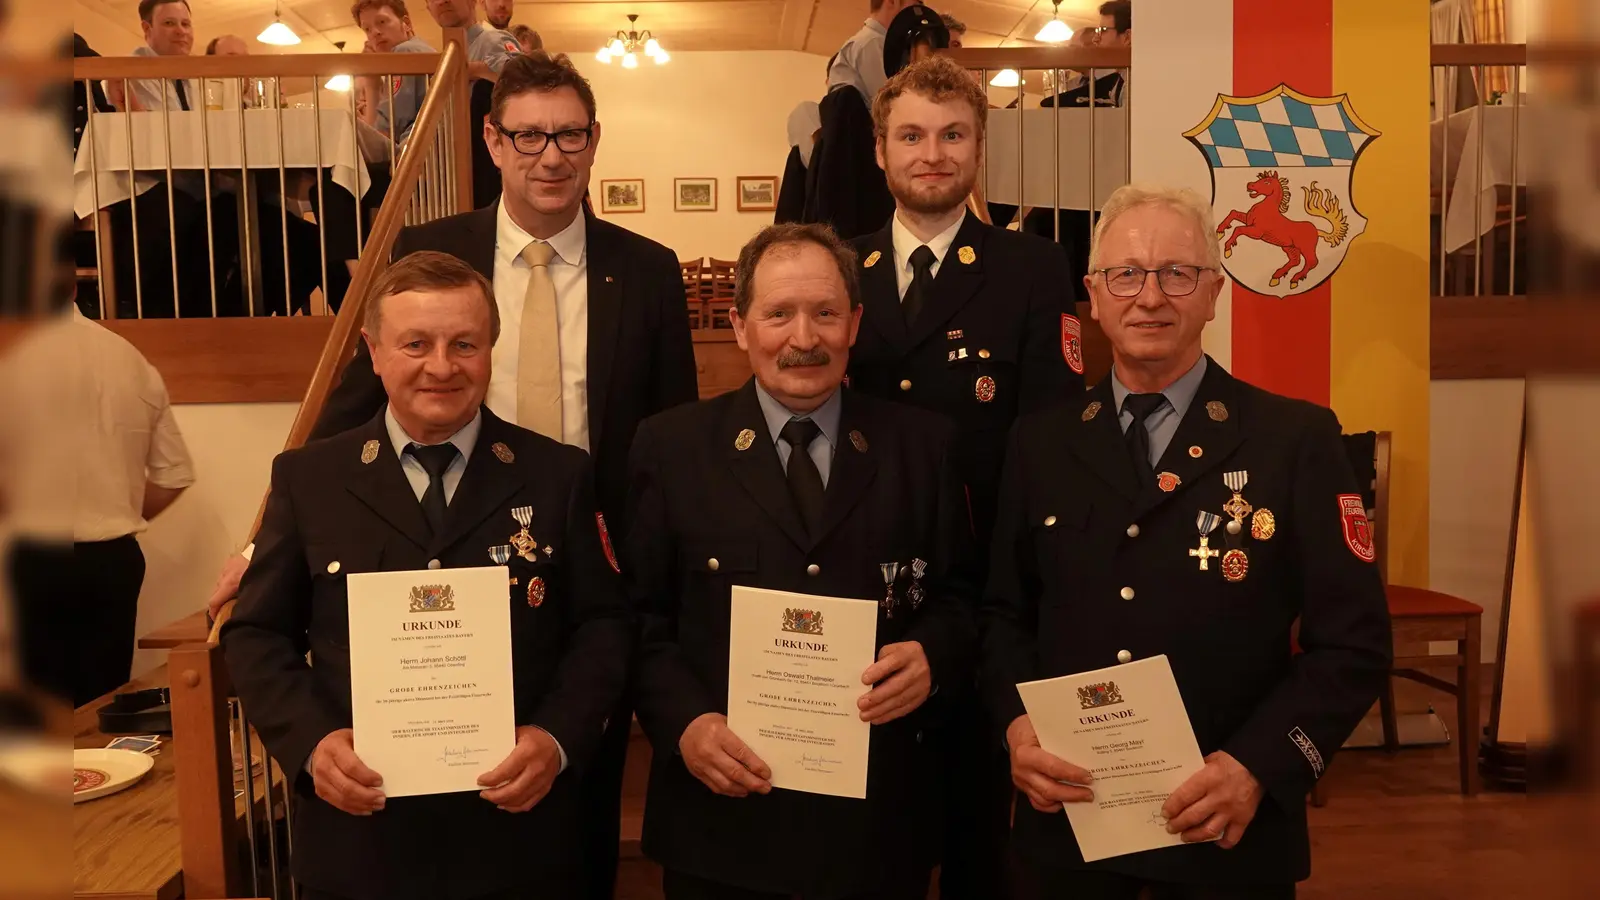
column 1369, row 454
column 694, row 272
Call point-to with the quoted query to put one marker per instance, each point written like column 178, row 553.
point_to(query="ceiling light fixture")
column 628, row 45
column 278, row 34
column 1004, row 78
column 1054, row 31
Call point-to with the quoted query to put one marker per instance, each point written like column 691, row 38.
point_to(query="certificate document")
column 794, row 676
column 430, row 676
column 1127, row 726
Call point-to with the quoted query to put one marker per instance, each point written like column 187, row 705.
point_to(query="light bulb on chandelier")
column 628, row 45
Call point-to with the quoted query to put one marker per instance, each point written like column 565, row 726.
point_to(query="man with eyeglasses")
column 1177, row 510
column 594, row 336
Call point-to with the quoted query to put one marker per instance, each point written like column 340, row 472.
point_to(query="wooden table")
column 191, row 629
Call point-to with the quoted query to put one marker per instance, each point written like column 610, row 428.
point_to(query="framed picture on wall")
column 622, row 195
column 758, row 193
column 694, row 194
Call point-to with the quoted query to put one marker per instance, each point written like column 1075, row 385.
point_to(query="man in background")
column 528, row 38
column 92, row 454
column 859, row 63
column 957, row 29
column 498, row 12
column 387, row 25
column 228, row 45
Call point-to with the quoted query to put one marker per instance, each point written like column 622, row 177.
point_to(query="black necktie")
column 1142, row 406
column 805, row 482
column 183, row 95
column 435, row 459
column 921, row 287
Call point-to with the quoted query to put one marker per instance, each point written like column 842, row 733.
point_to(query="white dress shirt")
column 905, row 243
column 569, row 270
column 465, row 440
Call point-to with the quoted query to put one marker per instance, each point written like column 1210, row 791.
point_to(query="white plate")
column 98, row 772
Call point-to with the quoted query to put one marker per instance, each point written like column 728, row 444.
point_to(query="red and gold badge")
column 1168, row 482
column 1072, row 342
column 1357, row 528
column 1235, row 565
column 605, row 542
column 536, row 592
column 984, row 389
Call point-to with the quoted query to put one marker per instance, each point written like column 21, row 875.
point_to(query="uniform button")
column 919, row 737
column 813, row 569
column 1133, row 530
column 1127, row 593
column 983, row 354
column 905, row 384
column 1124, row 656
column 433, row 564
column 333, row 567
column 712, row 564
column 1234, row 527
column 1049, row 521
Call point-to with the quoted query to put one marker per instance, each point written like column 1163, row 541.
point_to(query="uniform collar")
column 1180, row 393
column 465, row 439
column 905, row 242
column 777, row 415
column 510, row 239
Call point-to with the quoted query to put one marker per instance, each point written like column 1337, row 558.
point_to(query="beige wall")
column 233, row 445
column 702, row 115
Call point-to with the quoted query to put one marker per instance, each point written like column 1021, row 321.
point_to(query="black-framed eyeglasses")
column 1175, row 281
column 533, row 142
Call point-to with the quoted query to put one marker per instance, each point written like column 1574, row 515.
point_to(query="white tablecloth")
column 108, row 135
column 1455, row 139
column 1039, row 149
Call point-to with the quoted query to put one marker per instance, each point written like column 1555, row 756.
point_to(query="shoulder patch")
column 605, row 542
column 1357, row 528
column 1072, row 342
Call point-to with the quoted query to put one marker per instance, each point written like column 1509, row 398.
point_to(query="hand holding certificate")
column 1126, row 727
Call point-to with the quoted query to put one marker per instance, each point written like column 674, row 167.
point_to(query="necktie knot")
column 538, row 254
column 922, row 259
column 1142, row 406
column 799, row 433
column 435, row 458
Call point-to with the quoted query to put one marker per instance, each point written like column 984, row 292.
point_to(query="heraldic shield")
column 1281, row 167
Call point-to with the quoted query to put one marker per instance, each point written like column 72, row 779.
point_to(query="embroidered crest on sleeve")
column 1357, row 528
column 1072, row 342
column 1308, row 749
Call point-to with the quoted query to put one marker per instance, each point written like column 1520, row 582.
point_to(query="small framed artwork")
column 622, row 195
column 758, row 193
column 694, row 194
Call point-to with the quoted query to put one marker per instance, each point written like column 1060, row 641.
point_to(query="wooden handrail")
column 373, row 260
column 293, row 65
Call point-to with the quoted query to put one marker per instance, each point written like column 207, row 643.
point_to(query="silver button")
column 712, row 564
column 1133, row 530
column 333, row 567
column 919, row 737
column 813, row 569
column 905, row 384
column 1234, row 527
column 1127, row 593
column 433, row 564
column 1049, row 521
column 1124, row 656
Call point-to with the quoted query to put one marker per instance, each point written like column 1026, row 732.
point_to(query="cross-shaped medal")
column 1205, row 552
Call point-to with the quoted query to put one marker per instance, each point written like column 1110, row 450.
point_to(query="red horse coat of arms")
column 1281, row 168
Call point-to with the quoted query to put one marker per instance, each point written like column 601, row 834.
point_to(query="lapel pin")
column 1092, row 410
column 369, row 452
column 858, row 441
column 744, row 440
column 967, row 256
column 609, row 279
column 503, row 453
column 1263, row 525
column 1217, row 410
column 1168, row 482
column 871, row 260
column 984, row 389
column 1195, row 451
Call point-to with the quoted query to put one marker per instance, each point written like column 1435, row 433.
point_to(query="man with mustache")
column 1177, row 510
column 791, row 483
column 977, row 323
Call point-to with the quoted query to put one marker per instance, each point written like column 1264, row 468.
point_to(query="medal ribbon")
column 501, row 554
column 523, row 515
column 1236, row 480
column 1206, row 522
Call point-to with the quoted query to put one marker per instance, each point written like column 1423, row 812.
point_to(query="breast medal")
column 536, row 592
column 1238, row 507
column 1234, row 565
column 1206, row 522
column 526, row 546
column 984, row 389
column 891, row 571
column 1263, row 525
column 915, row 593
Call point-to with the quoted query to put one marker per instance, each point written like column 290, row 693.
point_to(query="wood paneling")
column 1510, row 337
column 231, row 360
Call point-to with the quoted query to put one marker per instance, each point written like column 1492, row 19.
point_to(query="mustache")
column 816, row 356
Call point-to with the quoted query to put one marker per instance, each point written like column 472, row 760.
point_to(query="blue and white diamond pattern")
column 1282, row 131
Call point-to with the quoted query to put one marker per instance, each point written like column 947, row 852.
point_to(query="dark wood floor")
column 1395, row 826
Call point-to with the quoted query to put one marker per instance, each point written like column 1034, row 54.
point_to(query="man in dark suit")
column 977, row 323
column 434, row 481
column 792, row 483
column 1100, row 558
column 596, row 334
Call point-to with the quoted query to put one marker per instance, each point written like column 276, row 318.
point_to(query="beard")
column 920, row 198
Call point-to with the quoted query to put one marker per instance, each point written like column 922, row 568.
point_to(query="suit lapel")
column 880, row 288
column 1099, row 444
column 605, row 318
column 957, row 283
column 1199, row 428
column 485, row 486
column 756, row 467
column 382, row 485
column 852, row 471
column 479, row 238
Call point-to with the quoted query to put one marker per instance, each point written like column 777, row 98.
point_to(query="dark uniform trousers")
column 343, row 506
column 997, row 338
column 709, row 508
column 1090, row 567
column 679, row 886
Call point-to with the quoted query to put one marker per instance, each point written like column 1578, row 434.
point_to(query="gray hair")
column 1182, row 200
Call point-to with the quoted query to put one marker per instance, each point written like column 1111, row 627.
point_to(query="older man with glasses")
column 1176, row 510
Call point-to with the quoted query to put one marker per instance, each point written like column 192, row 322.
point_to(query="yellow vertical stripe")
column 1380, row 373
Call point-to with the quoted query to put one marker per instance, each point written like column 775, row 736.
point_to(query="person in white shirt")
column 859, row 63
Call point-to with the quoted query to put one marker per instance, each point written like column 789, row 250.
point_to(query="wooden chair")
column 694, row 272
column 720, row 284
column 100, row 228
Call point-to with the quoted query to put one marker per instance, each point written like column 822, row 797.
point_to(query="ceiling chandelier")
column 1054, row 31
column 627, row 45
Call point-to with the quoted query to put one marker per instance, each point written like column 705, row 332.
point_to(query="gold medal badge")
column 967, row 256
column 1263, row 525
column 1235, row 565
column 525, row 545
column 369, row 452
column 1090, row 411
column 744, row 440
column 984, row 389
column 871, row 260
